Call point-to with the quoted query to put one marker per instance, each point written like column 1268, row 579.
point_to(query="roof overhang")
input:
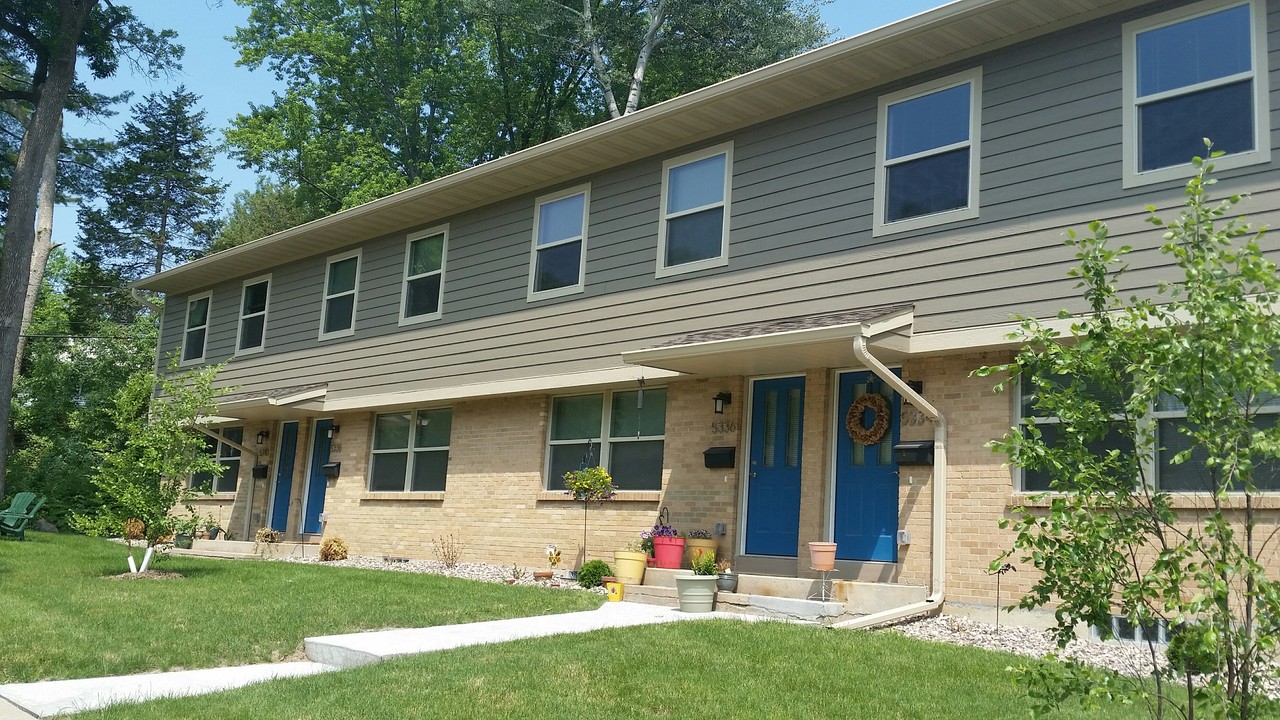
column 603, row 378
column 769, row 348
column 947, row 34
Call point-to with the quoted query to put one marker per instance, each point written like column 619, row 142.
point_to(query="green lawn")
column 711, row 669
column 65, row 619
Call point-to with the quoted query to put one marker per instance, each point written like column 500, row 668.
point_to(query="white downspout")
column 937, row 592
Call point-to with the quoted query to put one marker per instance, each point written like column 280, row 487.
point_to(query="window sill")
column 216, row 497
column 622, row 496
column 1178, row 501
column 424, row 495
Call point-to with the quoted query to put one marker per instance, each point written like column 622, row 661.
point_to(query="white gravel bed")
column 467, row 571
column 1128, row 658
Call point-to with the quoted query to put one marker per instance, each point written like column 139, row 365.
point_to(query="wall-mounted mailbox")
column 331, row 470
column 918, row 452
column 719, row 457
column 259, row 472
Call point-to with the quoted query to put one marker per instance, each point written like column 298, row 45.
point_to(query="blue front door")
column 316, row 482
column 288, row 448
column 866, row 493
column 773, row 477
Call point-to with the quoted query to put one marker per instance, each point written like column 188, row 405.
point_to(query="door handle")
column 753, row 474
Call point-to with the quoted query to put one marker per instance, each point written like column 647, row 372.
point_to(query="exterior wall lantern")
column 721, row 400
column 262, row 437
column 333, row 430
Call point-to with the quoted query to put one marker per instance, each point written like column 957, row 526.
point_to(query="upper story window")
column 621, row 431
column 341, row 285
column 1193, row 73
column 927, row 153
column 196, row 330
column 559, row 243
column 226, row 456
column 410, row 451
column 423, row 276
column 693, row 233
column 251, row 336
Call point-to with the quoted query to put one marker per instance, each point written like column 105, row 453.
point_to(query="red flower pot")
column 668, row 551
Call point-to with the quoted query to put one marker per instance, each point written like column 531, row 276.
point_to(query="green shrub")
column 704, row 563
column 592, row 573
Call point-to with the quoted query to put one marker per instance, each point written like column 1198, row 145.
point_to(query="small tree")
column 1116, row 540
column 145, row 468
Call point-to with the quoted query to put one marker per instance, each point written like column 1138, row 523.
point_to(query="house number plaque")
column 724, row 426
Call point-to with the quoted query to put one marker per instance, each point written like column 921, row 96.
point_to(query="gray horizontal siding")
column 800, row 240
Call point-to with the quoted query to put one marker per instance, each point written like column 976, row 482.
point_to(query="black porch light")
column 721, row 400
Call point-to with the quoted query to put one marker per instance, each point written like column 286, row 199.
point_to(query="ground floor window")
column 226, row 456
column 410, row 451
column 623, row 431
column 1169, row 417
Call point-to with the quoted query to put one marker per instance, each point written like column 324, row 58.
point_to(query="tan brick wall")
column 495, row 504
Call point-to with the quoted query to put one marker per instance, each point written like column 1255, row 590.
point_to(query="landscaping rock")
column 1128, row 658
column 466, row 571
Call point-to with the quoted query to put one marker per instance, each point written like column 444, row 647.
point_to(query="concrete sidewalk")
column 334, row 652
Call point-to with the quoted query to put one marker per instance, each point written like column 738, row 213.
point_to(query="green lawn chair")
column 21, row 503
column 16, row 525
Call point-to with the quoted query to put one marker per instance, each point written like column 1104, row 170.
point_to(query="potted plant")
column 726, row 578
column 697, row 542
column 629, row 563
column 588, row 485
column 668, row 546
column 822, row 556
column 184, row 531
column 697, row 592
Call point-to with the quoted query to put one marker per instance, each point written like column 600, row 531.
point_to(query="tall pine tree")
column 160, row 205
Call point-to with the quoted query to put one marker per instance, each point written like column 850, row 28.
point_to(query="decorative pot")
column 651, row 561
column 183, row 542
column 629, row 566
column 696, row 593
column 213, row 533
column 822, row 555
column 542, row 574
column 668, row 551
column 727, row 582
column 694, row 547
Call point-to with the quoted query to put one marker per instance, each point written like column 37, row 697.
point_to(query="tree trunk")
column 597, row 59
column 43, row 242
column 43, row 130
column 642, row 59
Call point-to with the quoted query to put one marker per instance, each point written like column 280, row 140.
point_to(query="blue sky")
column 209, row 70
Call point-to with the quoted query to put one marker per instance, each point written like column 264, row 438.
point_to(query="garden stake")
column 999, row 573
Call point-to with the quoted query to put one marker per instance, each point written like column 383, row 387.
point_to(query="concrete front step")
column 782, row 608
column 242, row 549
column 794, row 598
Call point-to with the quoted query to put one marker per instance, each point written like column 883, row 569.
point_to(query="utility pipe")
column 937, row 590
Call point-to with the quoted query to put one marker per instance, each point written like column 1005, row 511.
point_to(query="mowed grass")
column 65, row 618
column 707, row 668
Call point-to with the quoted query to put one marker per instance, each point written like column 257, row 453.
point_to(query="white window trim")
column 411, row 448
column 204, row 349
column 325, row 296
column 266, row 308
column 720, row 260
column 405, row 277
column 602, row 441
column 218, row 457
column 973, row 78
column 585, row 192
column 1261, row 95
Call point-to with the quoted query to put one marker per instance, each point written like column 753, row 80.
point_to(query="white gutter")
column 933, row 603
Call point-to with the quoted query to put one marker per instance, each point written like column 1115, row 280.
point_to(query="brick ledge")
column 622, row 496
column 424, row 495
column 1179, row 501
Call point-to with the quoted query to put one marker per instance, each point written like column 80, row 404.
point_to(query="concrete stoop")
column 242, row 549
column 796, row 599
